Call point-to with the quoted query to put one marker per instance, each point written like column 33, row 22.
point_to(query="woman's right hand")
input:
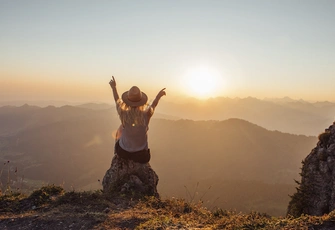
column 112, row 82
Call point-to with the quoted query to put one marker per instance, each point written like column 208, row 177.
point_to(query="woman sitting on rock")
column 135, row 114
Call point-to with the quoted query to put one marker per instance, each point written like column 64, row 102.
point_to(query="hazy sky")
column 68, row 50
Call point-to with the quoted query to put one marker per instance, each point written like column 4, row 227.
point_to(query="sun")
column 201, row 82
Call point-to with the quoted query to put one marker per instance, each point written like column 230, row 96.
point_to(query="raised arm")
column 112, row 83
column 158, row 97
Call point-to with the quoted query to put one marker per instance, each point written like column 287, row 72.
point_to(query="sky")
column 68, row 50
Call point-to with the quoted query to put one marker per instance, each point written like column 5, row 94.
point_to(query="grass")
column 50, row 207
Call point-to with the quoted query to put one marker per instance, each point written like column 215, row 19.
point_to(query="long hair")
column 132, row 115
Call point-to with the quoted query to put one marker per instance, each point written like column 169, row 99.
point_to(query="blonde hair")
column 133, row 115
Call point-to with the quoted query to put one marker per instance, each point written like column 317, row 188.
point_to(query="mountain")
column 285, row 115
column 235, row 161
column 233, row 164
column 95, row 106
column 39, row 103
column 16, row 119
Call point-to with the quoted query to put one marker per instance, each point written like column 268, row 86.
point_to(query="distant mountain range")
column 285, row 115
column 73, row 146
column 282, row 114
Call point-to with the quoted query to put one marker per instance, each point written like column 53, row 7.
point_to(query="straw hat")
column 134, row 97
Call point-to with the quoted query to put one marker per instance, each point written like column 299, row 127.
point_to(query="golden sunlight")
column 201, row 82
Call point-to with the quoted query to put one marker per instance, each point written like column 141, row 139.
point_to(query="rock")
column 107, row 210
column 316, row 192
column 129, row 177
column 327, row 225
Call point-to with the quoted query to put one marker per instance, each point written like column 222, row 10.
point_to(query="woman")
column 135, row 114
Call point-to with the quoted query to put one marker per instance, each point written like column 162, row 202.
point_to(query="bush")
column 44, row 194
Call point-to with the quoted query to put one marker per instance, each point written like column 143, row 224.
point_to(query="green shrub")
column 43, row 195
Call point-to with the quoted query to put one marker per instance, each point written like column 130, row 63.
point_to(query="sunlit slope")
column 231, row 149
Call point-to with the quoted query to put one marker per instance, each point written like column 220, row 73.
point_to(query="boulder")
column 316, row 192
column 129, row 177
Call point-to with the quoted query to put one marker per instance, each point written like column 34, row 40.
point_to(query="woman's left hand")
column 161, row 93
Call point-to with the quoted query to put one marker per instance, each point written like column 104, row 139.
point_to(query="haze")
column 68, row 50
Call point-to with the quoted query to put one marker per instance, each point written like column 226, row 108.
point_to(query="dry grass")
column 52, row 208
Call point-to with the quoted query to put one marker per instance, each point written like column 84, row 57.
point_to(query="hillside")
column 53, row 208
column 231, row 164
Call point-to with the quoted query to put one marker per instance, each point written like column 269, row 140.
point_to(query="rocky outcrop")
column 316, row 192
column 129, row 177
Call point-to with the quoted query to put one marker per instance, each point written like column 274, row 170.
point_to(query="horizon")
column 66, row 51
column 183, row 100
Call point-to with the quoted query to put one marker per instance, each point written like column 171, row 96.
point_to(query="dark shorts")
column 142, row 156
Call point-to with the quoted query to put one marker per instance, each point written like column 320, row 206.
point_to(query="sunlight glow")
column 202, row 82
